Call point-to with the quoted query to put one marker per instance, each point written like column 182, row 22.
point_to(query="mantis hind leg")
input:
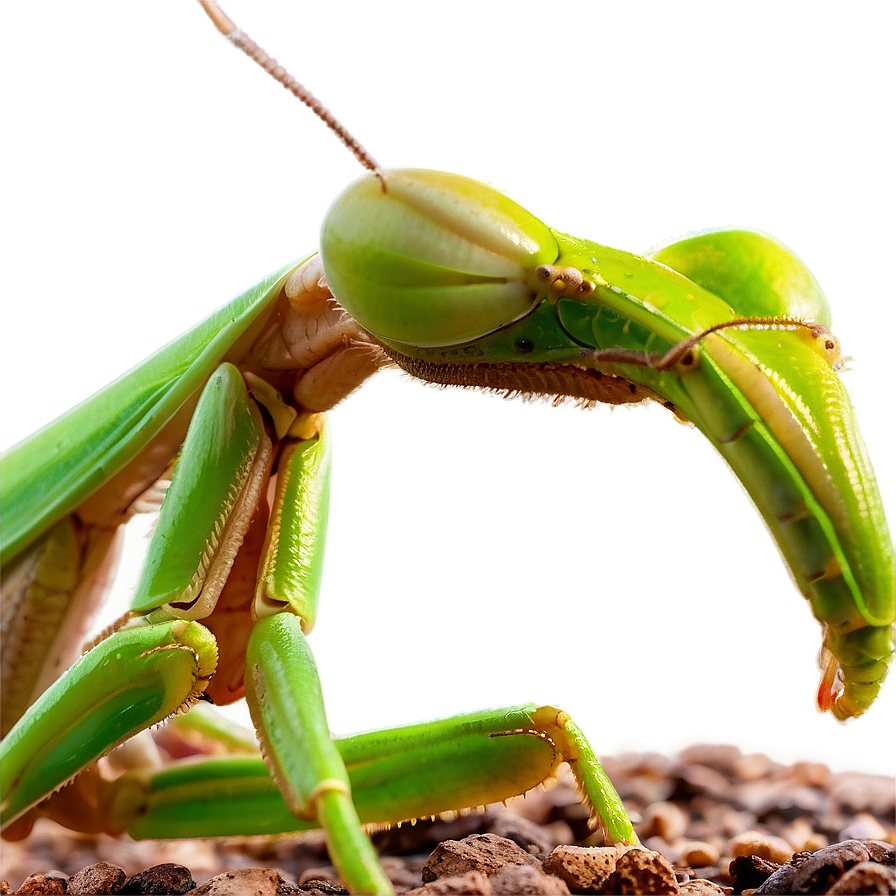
column 389, row 776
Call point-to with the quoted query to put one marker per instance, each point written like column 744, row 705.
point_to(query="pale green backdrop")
column 480, row 552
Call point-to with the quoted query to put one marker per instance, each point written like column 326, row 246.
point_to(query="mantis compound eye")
column 434, row 260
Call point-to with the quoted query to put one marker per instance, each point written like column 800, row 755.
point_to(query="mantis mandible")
column 591, row 226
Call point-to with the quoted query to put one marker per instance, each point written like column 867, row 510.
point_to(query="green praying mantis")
column 663, row 508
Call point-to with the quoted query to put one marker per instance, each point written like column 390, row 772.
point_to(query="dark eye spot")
column 524, row 346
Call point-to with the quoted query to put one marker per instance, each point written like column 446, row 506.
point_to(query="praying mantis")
column 666, row 510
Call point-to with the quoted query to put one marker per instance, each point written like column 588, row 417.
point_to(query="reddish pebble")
column 43, row 884
column 765, row 846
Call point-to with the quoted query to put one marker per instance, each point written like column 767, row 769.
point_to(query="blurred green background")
column 480, row 552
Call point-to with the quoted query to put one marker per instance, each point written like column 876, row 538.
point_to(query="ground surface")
column 721, row 821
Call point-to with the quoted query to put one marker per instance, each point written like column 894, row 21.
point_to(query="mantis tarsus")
column 553, row 207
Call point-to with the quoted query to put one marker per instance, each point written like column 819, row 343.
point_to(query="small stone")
column 866, row 877
column 863, row 827
column 786, row 801
column 811, row 774
column 526, row 834
column 699, row 886
column 4, row 887
column 322, row 887
column 480, row 852
column 584, row 869
column 642, row 871
column 160, row 880
column 663, row 819
column 731, row 822
column 473, row 883
column 47, row 884
column 802, row 837
column 705, row 781
column 319, row 873
column 260, row 881
column 101, row 877
column 766, row 846
column 698, row 854
column 749, row 872
column 856, row 792
column 658, row 844
column 402, row 872
column 526, row 880
column 752, row 767
column 723, row 757
column 816, row 872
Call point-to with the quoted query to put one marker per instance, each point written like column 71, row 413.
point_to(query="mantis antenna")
column 242, row 41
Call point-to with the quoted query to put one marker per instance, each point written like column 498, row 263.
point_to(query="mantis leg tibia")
column 285, row 698
column 395, row 775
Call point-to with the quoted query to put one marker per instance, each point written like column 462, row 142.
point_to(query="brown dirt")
column 710, row 820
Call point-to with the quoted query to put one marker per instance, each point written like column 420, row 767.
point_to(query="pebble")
column 700, row 887
column 42, row 884
column 867, row 878
column 663, row 819
column 473, row 883
column 765, row 846
column 788, row 801
column 863, row 827
column 698, row 854
column 643, row 871
column 802, row 837
column 751, row 767
column 101, row 877
column 863, row 793
column 168, row 878
column 487, row 853
column 703, row 780
column 723, row 757
column 582, row 868
column 526, row 879
column 314, row 887
column 260, row 881
column 819, row 871
column 811, row 774
column 527, row 835
column 750, row 872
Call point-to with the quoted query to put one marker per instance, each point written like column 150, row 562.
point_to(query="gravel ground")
column 711, row 820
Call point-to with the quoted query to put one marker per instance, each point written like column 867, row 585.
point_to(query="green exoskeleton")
column 457, row 284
